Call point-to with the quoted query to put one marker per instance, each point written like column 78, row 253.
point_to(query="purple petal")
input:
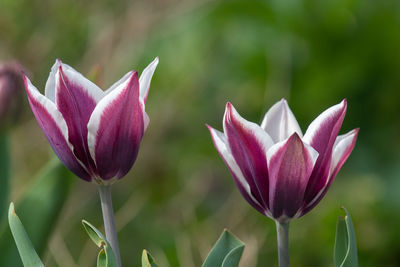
column 76, row 97
column 115, row 130
column 290, row 164
column 321, row 135
column 220, row 143
column 280, row 123
column 145, row 79
column 249, row 143
column 127, row 76
column 342, row 148
column 55, row 129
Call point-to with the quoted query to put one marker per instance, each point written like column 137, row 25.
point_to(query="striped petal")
column 290, row 164
column 249, row 143
column 321, row 135
column 50, row 89
column 221, row 144
column 280, row 123
column 76, row 98
column 342, row 148
column 115, row 129
column 55, row 129
column 145, row 79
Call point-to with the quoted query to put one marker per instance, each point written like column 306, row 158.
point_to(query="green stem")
column 282, row 231
column 108, row 218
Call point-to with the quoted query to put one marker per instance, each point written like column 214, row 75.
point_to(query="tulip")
column 11, row 90
column 280, row 172
column 95, row 133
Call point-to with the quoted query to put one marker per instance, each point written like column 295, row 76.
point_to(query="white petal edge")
column 263, row 137
column 280, row 123
column 340, row 146
column 94, row 120
column 315, row 124
column 54, row 113
column 50, row 89
column 75, row 77
column 220, row 142
column 115, row 85
column 145, row 78
column 275, row 148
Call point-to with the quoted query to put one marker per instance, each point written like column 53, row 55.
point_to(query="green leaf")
column 40, row 206
column 345, row 253
column 226, row 252
column 106, row 257
column 26, row 251
column 4, row 174
column 102, row 258
column 147, row 259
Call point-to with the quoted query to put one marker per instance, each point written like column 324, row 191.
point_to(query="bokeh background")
column 179, row 195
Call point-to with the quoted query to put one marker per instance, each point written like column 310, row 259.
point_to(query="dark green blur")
column 179, row 195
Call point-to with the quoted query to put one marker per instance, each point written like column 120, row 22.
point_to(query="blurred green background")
column 179, row 195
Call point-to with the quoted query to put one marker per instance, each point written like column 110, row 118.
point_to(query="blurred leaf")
column 40, row 206
column 226, row 252
column 4, row 173
column 345, row 254
column 26, row 250
column 147, row 259
column 106, row 256
column 102, row 258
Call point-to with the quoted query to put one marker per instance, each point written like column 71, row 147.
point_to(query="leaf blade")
column 226, row 252
column 345, row 251
column 26, row 250
column 147, row 259
column 108, row 259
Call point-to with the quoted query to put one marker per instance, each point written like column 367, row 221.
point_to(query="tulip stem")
column 108, row 218
column 282, row 231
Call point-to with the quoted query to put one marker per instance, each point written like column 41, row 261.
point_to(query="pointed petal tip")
column 295, row 136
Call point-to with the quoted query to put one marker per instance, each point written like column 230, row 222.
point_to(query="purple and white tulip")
column 280, row 172
column 95, row 133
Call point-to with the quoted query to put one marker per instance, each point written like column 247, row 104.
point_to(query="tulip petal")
column 76, row 97
column 146, row 118
column 280, row 123
column 290, row 164
column 50, row 89
column 55, row 129
column 221, row 144
column 321, row 135
column 145, row 79
column 249, row 143
column 119, row 82
column 342, row 148
column 115, row 129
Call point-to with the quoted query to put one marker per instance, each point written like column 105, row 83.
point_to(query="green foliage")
column 226, row 252
column 4, row 173
column 147, row 259
column 40, row 206
column 26, row 250
column 345, row 253
column 106, row 257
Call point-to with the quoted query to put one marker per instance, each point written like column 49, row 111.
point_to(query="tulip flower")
column 11, row 92
column 280, row 172
column 95, row 133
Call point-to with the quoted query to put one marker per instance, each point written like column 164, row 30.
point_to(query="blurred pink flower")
column 280, row 172
column 95, row 133
column 11, row 89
